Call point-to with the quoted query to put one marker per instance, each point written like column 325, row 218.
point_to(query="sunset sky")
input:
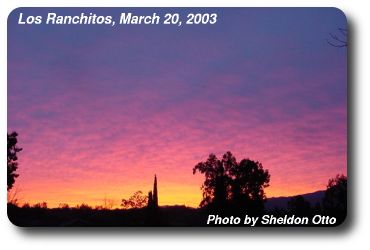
column 99, row 110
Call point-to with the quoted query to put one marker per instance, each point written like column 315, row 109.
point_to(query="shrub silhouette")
column 64, row 206
column 297, row 205
column 84, row 207
column 40, row 205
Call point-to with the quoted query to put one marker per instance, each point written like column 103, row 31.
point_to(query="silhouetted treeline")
column 333, row 203
column 32, row 216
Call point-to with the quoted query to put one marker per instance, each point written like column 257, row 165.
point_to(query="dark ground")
column 73, row 217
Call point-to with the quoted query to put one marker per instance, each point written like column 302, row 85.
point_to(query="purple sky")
column 100, row 109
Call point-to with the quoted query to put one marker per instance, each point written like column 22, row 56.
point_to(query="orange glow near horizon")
column 173, row 189
column 186, row 195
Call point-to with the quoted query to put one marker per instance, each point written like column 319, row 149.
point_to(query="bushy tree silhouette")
column 248, row 182
column 238, row 185
column 335, row 199
column 12, row 159
column 216, row 182
column 137, row 200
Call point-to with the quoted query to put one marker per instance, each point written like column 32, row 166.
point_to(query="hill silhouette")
column 281, row 202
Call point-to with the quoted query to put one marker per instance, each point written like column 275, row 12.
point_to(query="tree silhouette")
column 340, row 40
column 297, row 205
column 108, row 203
column 137, row 200
column 215, row 185
column 335, row 199
column 150, row 199
column 153, row 195
column 248, row 182
column 228, row 182
column 155, row 192
column 12, row 159
column 12, row 195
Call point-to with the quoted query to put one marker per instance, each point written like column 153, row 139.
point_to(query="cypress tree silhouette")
column 153, row 195
column 155, row 192
column 153, row 216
